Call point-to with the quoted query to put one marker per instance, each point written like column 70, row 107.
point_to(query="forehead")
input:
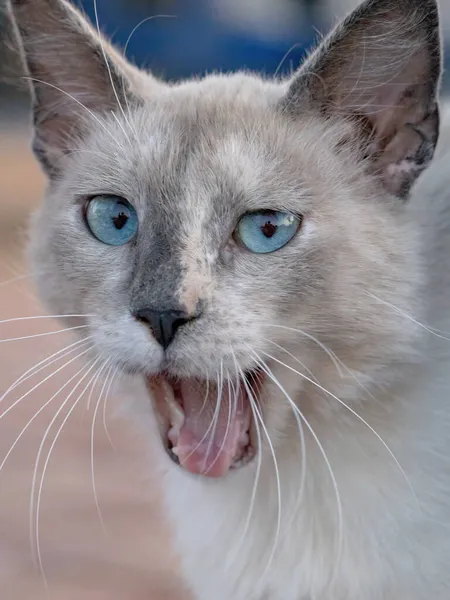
column 176, row 154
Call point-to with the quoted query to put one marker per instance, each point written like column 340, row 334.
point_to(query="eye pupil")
column 120, row 220
column 269, row 229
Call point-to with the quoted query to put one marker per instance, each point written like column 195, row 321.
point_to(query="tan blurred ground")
column 132, row 561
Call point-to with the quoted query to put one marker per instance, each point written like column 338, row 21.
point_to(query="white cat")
column 254, row 258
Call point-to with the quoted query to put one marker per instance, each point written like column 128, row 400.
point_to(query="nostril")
column 179, row 322
column 163, row 324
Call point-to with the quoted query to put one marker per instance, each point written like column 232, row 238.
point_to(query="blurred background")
column 129, row 556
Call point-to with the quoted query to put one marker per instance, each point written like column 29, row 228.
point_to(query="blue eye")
column 265, row 231
column 112, row 220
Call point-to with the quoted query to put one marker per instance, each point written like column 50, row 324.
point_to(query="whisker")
column 215, row 418
column 16, row 402
column 12, row 268
column 292, row 356
column 300, row 495
column 117, row 120
column 444, row 335
column 39, row 335
column 329, row 352
column 349, row 371
column 90, row 112
column 329, row 468
column 35, row 317
column 18, row 277
column 89, row 368
column 331, row 395
column 108, row 67
column 206, row 396
column 336, row 357
column 15, row 279
column 104, row 406
column 224, row 441
column 207, row 431
column 88, row 405
column 256, row 481
column 94, row 418
column 43, row 364
column 37, row 413
column 275, row 463
column 283, row 60
column 141, row 23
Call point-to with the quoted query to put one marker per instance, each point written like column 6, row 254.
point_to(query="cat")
column 265, row 262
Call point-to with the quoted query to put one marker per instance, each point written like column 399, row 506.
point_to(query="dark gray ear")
column 381, row 68
column 73, row 74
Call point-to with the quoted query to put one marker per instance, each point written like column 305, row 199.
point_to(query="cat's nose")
column 163, row 324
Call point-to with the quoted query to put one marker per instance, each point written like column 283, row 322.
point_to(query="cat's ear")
column 73, row 74
column 381, row 68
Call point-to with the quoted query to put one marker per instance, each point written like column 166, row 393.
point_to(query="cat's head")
column 234, row 237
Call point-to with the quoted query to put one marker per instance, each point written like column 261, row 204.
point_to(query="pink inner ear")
column 408, row 154
column 382, row 64
column 68, row 73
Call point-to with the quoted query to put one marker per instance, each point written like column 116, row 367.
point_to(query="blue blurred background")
column 178, row 38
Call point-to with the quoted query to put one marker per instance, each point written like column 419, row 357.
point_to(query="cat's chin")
column 208, row 431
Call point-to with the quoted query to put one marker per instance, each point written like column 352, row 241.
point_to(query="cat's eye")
column 266, row 231
column 111, row 219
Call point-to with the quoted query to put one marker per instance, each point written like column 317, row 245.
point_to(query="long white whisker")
column 436, row 332
column 205, row 398
column 297, row 360
column 332, row 355
column 108, row 390
column 224, row 441
column 44, row 469
column 18, row 277
column 207, row 431
column 349, row 371
column 36, row 317
column 330, row 470
column 39, row 335
column 300, row 495
column 215, row 418
column 283, row 60
column 90, row 112
column 108, row 67
column 331, row 395
column 94, row 417
column 117, row 120
column 15, row 279
column 141, row 23
column 327, row 351
column 99, row 372
column 6, row 411
column 46, row 362
column 42, row 443
column 256, row 481
column 275, row 463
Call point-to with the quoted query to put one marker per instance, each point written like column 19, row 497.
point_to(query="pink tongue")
column 211, row 437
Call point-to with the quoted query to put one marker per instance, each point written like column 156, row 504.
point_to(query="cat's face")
column 234, row 238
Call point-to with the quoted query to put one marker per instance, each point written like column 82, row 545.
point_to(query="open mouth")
column 208, row 430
